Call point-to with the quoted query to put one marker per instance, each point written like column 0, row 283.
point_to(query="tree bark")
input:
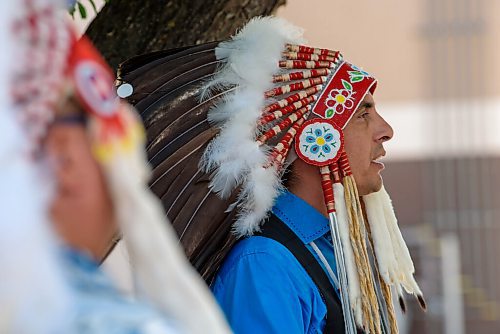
column 125, row 28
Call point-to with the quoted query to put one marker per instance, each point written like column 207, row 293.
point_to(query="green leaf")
column 92, row 3
column 356, row 79
column 346, row 84
column 82, row 10
column 329, row 113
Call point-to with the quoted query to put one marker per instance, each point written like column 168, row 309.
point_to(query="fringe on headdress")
column 370, row 307
column 394, row 260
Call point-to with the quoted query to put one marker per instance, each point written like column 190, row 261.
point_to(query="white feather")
column 352, row 272
column 254, row 52
column 164, row 276
column 256, row 198
column 233, row 158
column 34, row 296
column 231, row 154
column 382, row 241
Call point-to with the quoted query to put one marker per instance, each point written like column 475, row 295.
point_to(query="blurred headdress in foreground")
column 34, row 296
column 45, row 65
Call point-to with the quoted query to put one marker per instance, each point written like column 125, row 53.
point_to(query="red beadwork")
column 280, row 151
column 335, row 172
column 307, row 56
column 286, row 110
column 305, row 64
column 301, row 75
column 307, row 49
column 294, row 86
column 291, row 99
column 344, row 164
column 283, row 124
column 326, row 184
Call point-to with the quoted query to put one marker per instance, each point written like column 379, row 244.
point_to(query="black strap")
column 275, row 229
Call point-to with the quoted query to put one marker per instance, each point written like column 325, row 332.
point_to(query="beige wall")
column 383, row 37
column 493, row 46
column 387, row 38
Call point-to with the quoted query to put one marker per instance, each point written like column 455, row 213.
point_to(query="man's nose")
column 384, row 130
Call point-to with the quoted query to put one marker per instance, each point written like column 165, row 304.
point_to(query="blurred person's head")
column 88, row 129
column 82, row 208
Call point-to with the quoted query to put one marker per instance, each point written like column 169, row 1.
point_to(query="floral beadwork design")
column 339, row 100
column 319, row 142
column 358, row 74
column 344, row 91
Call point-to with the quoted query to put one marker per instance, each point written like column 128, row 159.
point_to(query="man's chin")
column 378, row 187
column 371, row 188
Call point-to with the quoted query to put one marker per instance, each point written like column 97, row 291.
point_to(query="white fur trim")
column 393, row 257
column 382, row 240
column 401, row 250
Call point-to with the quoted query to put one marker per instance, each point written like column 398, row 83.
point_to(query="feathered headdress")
column 34, row 296
column 51, row 66
column 264, row 94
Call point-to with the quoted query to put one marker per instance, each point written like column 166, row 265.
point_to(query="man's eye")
column 364, row 114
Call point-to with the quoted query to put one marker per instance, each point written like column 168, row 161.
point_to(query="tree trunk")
column 125, row 28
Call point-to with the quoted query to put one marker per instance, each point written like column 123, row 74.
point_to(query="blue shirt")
column 101, row 308
column 261, row 286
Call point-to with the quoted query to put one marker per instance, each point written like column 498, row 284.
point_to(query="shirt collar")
column 77, row 258
column 304, row 220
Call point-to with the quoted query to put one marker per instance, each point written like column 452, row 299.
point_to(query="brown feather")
column 167, row 88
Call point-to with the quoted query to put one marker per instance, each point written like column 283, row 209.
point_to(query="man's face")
column 364, row 136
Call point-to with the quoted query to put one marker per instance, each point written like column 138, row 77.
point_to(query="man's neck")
column 307, row 185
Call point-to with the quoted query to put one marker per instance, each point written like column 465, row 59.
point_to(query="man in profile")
column 303, row 118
